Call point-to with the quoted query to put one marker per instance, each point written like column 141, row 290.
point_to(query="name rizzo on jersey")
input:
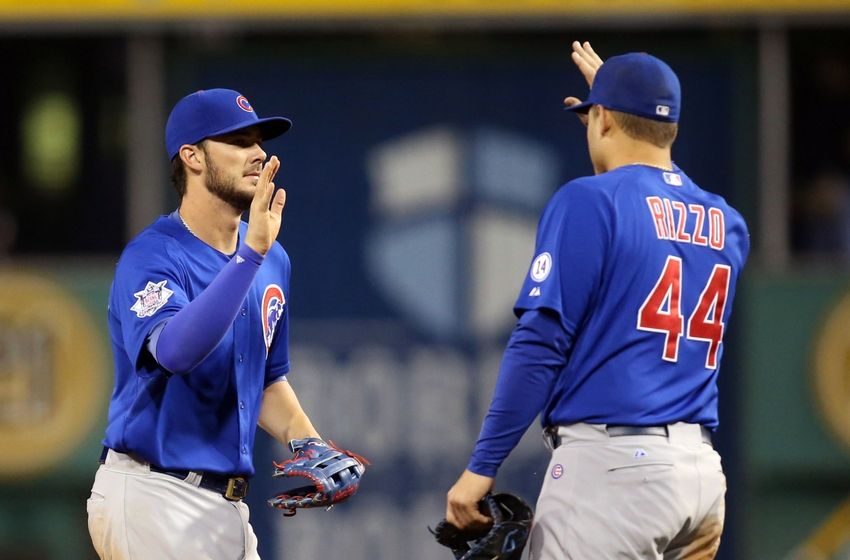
column 671, row 222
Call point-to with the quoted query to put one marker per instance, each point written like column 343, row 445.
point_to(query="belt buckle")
column 237, row 488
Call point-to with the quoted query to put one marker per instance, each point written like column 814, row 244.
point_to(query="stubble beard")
column 226, row 188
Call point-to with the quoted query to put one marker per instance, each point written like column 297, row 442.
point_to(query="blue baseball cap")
column 213, row 112
column 638, row 84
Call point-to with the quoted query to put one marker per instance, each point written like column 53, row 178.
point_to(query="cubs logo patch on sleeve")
column 273, row 302
column 151, row 299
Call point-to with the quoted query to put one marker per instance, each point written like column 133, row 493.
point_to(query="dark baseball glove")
column 320, row 474
column 503, row 540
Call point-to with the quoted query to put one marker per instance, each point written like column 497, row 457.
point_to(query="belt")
column 617, row 431
column 232, row 487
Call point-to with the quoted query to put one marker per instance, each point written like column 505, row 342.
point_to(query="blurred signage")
column 831, row 371
column 51, row 374
column 299, row 9
column 831, row 384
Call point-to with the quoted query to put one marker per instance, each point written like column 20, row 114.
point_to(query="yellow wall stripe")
column 263, row 9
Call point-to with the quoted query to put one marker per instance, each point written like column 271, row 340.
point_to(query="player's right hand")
column 463, row 499
column 588, row 62
column 266, row 210
column 586, row 59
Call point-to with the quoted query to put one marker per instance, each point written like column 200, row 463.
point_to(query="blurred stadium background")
column 427, row 137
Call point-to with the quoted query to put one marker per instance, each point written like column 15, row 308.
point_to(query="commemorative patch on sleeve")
column 151, row 299
column 541, row 267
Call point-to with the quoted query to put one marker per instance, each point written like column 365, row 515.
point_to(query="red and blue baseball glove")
column 328, row 475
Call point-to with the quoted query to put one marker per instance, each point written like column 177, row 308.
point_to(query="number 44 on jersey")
column 662, row 311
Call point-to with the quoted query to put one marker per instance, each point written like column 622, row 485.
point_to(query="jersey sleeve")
column 572, row 238
column 536, row 352
column 149, row 287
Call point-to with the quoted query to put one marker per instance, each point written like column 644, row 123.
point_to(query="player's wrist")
column 250, row 253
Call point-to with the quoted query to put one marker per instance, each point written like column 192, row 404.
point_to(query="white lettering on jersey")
column 151, row 299
column 671, row 221
column 541, row 267
column 716, row 229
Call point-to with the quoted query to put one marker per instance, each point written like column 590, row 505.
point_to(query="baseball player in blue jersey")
column 199, row 323
column 620, row 338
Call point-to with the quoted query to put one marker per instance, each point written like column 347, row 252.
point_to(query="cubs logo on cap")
column 213, row 112
column 242, row 101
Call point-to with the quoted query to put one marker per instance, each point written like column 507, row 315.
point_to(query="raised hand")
column 586, row 59
column 588, row 62
column 266, row 210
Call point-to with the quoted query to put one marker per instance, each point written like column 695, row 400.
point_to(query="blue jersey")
column 204, row 420
column 641, row 266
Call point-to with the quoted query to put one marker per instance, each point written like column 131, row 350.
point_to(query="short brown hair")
column 178, row 176
column 661, row 134
column 178, row 171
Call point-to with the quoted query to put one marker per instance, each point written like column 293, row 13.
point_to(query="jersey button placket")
column 243, row 416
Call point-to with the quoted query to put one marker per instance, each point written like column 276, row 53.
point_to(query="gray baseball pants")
column 142, row 515
column 630, row 497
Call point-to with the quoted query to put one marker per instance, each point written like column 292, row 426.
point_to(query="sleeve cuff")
column 483, row 469
column 249, row 254
column 275, row 380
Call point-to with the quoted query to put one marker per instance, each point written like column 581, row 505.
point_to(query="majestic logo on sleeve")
column 151, row 299
column 273, row 302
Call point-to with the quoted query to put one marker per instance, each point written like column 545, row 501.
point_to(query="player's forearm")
column 281, row 414
column 535, row 355
column 194, row 331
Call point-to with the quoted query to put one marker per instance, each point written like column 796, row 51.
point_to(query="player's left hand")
column 588, row 63
column 463, row 499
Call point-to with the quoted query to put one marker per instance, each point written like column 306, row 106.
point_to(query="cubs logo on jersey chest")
column 272, row 310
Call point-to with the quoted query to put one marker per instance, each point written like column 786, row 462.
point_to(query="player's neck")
column 211, row 220
column 642, row 153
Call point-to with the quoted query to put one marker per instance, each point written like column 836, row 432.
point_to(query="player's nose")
column 258, row 153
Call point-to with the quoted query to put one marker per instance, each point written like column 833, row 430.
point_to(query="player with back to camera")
column 199, row 322
column 619, row 339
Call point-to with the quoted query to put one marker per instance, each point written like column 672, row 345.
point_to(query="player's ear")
column 606, row 120
column 192, row 157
